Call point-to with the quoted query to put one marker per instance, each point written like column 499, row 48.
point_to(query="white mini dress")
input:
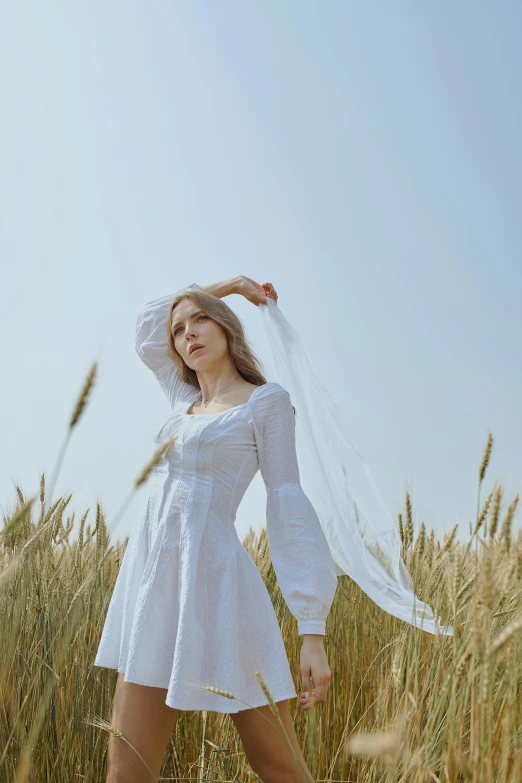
column 189, row 607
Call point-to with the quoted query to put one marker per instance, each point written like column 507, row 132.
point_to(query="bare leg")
column 142, row 716
column 266, row 751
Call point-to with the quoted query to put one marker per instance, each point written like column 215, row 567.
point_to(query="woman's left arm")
column 299, row 550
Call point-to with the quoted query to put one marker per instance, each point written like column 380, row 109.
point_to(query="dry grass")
column 402, row 706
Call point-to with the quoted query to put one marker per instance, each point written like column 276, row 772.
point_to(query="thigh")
column 139, row 712
column 267, row 752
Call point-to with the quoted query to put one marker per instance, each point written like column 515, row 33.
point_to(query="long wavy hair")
column 246, row 362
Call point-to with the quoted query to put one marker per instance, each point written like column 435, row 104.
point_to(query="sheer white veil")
column 361, row 532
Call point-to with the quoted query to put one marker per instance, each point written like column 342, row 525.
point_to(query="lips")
column 195, row 348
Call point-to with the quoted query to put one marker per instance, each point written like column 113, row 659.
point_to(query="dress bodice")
column 217, row 448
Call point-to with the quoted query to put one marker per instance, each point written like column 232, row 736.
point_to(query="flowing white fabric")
column 361, row 532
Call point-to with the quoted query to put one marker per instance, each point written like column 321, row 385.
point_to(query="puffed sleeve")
column 151, row 347
column 299, row 550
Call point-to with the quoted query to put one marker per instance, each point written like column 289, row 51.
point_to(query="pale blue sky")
column 364, row 157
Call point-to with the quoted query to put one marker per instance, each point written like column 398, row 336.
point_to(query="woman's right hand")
column 256, row 293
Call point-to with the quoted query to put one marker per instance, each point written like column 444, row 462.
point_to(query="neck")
column 212, row 383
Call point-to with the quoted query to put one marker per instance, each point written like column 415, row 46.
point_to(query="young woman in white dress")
column 189, row 604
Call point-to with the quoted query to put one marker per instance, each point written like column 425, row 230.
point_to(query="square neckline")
column 219, row 413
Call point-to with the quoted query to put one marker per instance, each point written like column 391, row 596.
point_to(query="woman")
column 189, row 607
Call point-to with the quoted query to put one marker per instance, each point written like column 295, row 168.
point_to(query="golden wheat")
column 402, row 705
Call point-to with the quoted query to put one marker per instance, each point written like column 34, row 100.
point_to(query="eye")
column 197, row 319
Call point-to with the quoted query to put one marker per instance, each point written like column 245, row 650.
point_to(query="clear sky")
column 365, row 158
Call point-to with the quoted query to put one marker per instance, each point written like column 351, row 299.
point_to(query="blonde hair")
column 244, row 358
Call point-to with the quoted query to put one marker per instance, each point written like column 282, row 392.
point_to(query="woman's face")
column 190, row 326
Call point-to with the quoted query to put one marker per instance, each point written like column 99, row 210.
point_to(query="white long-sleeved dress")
column 189, row 606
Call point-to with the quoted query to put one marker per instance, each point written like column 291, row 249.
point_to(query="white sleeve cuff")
column 311, row 626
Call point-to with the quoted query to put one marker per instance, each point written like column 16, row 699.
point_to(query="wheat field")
column 403, row 705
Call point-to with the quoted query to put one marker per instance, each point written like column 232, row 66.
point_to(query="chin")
column 197, row 362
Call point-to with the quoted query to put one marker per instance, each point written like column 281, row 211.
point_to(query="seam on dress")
column 233, row 493
column 148, row 595
column 281, row 640
column 180, row 476
column 203, row 539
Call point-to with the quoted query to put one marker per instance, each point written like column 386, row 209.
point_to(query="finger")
column 305, row 703
column 320, row 691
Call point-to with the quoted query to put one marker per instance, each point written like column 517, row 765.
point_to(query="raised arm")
column 299, row 550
